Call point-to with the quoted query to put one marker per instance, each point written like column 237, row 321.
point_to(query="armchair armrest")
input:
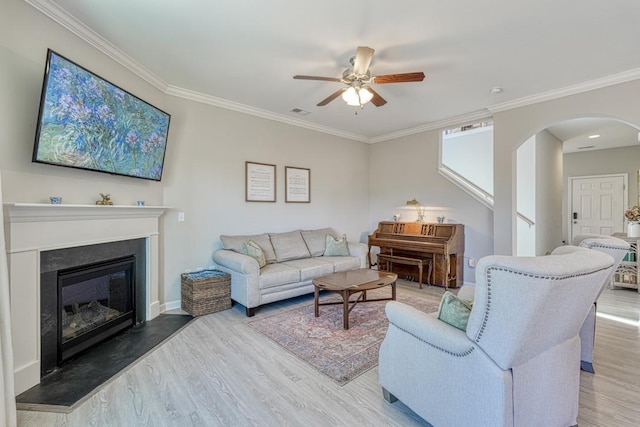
column 428, row 328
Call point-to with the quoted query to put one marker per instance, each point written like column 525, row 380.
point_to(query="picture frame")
column 260, row 182
column 297, row 184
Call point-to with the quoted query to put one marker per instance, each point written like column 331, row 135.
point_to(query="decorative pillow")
column 336, row 247
column 316, row 240
column 252, row 249
column 289, row 246
column 235, row 243
column 455, row 311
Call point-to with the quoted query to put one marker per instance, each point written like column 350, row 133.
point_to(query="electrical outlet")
column 472, row 262
column 180, row 216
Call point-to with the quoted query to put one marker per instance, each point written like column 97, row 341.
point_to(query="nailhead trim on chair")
column 464, row 354
column 535, row 276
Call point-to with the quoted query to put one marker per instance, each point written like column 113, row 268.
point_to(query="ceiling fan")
column 358, row 79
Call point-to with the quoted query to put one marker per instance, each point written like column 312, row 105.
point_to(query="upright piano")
column 440, row 244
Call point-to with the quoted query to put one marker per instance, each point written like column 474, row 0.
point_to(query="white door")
column 597, row 204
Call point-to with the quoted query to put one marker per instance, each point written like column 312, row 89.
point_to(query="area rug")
column 324, row 344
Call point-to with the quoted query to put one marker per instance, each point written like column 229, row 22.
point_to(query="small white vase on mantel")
column 633, row 229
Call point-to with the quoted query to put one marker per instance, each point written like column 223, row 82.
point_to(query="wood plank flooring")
column 220, row 372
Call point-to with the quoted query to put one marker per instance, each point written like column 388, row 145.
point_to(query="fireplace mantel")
column 36, row 212
column 31, row 228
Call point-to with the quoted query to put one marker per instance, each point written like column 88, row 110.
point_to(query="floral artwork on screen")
column 89, row 123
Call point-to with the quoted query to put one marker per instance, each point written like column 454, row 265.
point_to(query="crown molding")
column 452, row 121
column 71, row 23
column 614, row 79
column 68, row 21
column 235, row 106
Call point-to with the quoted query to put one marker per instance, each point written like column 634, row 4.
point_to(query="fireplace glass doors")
column 94, row 303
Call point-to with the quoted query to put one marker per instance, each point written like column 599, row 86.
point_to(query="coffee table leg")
column 345, row 309
column 393, row 290
column 316, row 296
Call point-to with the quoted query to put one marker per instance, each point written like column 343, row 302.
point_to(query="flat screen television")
column 89, row 123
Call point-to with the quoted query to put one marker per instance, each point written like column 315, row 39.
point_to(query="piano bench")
column 388, row 260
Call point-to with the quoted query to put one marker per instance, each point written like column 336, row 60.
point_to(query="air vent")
column 300, row 111
column 588, row 146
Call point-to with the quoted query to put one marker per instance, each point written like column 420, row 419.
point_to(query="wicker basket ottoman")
column 205, row 292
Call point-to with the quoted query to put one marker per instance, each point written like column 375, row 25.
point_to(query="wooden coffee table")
column 347, row 283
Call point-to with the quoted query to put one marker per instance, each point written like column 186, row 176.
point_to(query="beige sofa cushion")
column 236, row 243
column 315, row 239
column 310, row 268
column 289, row 246
column 278, row 274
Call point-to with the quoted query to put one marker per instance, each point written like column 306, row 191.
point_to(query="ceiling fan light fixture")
column 357, row 97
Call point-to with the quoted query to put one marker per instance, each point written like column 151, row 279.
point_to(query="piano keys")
column 440, row 244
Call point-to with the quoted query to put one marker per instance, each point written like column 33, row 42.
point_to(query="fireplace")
column 95, row 302
column 34, row 234
column 87, row 295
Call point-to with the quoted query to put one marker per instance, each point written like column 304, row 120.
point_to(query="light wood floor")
column 219, row 372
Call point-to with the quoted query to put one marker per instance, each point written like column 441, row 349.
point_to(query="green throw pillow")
column 336, row 247
column 455, row 311
column 252, row 249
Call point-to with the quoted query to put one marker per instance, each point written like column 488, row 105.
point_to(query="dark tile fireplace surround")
column 61, row 260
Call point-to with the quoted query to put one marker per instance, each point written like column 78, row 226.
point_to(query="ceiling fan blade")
column 377, row 100
column 331, row 97
column 399, row 78
column 364, row 55
column 326, row 79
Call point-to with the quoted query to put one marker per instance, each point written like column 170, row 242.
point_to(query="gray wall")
column 549, row 185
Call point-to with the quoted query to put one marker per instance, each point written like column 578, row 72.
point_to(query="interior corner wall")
column 406, row 168
column 513, row 127
column 549, row 190
column 204, row 166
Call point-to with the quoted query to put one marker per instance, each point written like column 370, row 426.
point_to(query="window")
column 466, row 159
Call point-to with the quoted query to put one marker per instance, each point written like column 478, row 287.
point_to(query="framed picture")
column 297, row 185
column 260, row 182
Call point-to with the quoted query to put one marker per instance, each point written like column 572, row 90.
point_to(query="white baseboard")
column 171, row 305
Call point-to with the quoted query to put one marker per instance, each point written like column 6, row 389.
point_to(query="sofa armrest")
column 428, row 328
column 245, row 276
column 237, row 262
column 359, row 250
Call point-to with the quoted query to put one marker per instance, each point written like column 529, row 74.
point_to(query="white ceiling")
column 590, row 134
column 242, row 54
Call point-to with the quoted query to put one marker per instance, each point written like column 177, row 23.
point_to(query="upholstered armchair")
column 617, row 248
column 517, row 362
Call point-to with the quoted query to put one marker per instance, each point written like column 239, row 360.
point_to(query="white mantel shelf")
column 37, row 212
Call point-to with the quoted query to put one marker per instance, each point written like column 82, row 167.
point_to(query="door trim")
column 625, row 196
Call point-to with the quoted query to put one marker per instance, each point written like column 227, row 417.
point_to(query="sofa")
column 271, row 267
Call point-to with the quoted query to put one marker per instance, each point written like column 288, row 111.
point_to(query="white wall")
column 470, row 154
column 204, row 166
column 407, row 168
